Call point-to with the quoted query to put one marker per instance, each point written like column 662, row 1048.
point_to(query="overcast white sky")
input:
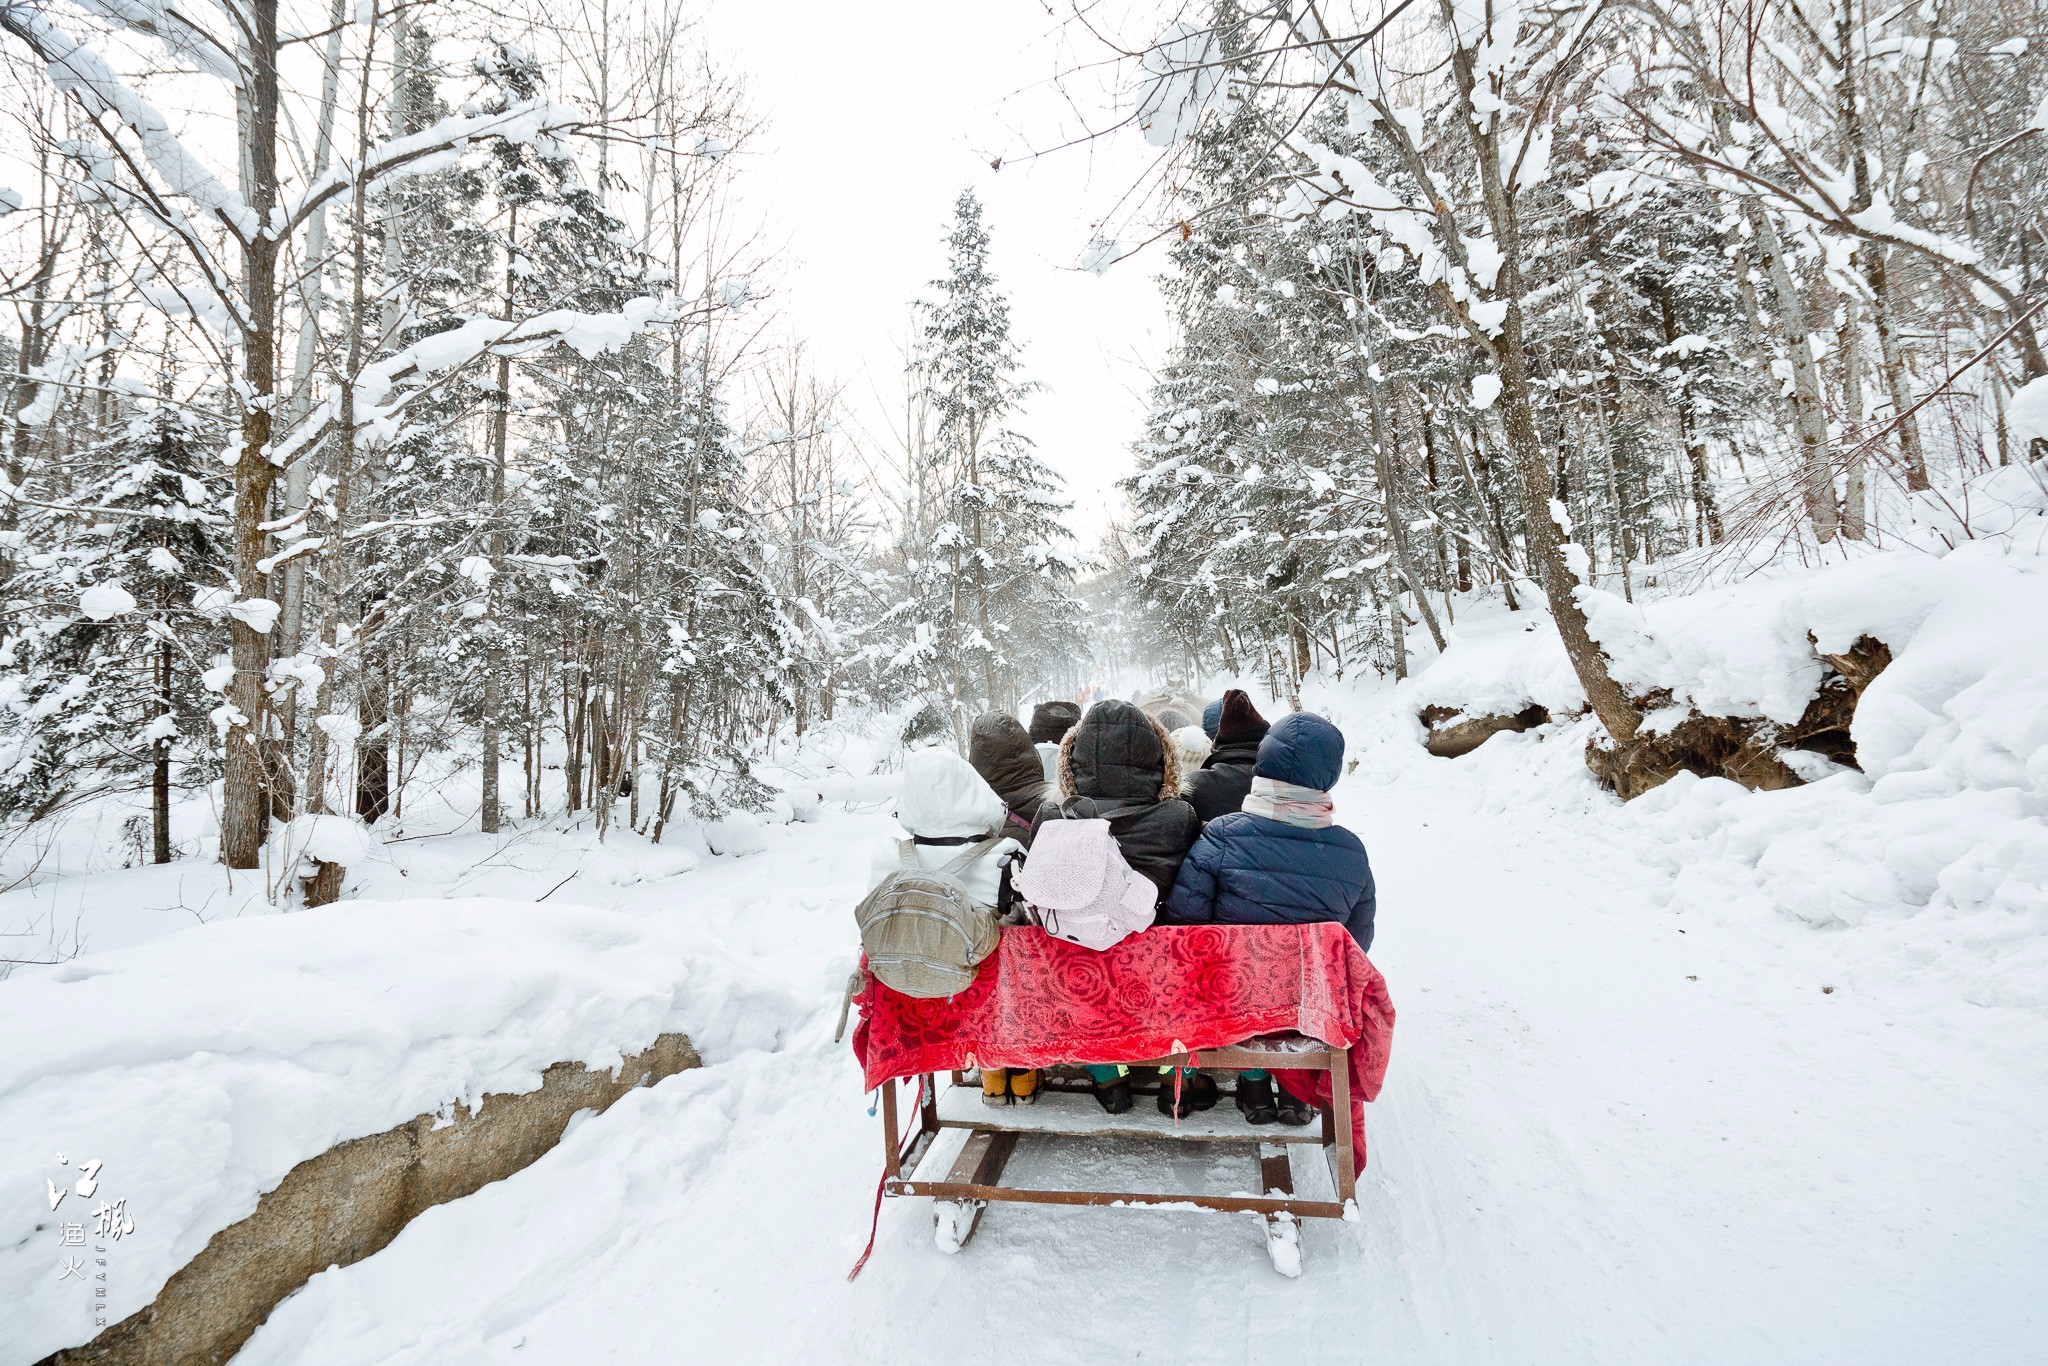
column 879, row 114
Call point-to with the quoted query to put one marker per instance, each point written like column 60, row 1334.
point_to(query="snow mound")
column 736, row 835
column 629, row 866
column 330, row 839
column 201, row 1067
column 105, row 601
column 1936, row 852
column 2028, row 415
column 1751, row 650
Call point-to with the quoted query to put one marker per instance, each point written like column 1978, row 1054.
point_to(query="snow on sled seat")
column 1299, row 1000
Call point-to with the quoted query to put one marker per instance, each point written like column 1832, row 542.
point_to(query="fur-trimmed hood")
column 1118, row 753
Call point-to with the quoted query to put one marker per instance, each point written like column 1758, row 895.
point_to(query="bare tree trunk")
column 299, row 477
column 33, row 350
column 2003, row 433
column 1397, row 528
column 245, row 810
column 1477, row 472
column 373, row 743
column 1397, row 629
column 494, row 662
column 1854, row 502
column 1898, row 384
column 160, row 763
column 1809, row 410
column 1706, row 505
column 1616, row 710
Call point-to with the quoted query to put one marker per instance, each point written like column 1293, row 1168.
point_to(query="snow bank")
column 2028, row 416
column 1744, row 650
column 1937, row 852
column 201, row 1067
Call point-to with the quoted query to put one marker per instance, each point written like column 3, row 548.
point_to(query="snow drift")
column 1937, row 847
column 201, row 1067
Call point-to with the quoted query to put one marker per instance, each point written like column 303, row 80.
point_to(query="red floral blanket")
column 1174, row 988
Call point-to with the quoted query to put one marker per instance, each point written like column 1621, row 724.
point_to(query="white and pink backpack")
column 1079, row 887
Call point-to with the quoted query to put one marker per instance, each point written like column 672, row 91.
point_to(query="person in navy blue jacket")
column 1281, row 860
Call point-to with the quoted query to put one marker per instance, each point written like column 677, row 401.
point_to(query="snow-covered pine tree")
column 997, row 563
column 107, row 666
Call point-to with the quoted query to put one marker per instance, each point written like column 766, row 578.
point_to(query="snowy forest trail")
column 1610, row 1134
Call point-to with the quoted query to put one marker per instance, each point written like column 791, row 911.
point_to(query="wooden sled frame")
column 977, row 1174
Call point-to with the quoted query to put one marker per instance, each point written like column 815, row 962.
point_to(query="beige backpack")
column 922, row 933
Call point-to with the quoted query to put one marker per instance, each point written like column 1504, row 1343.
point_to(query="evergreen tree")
column 993, row 565
column 106, row 668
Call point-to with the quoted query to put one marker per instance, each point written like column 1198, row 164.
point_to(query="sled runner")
column 1067, row 1113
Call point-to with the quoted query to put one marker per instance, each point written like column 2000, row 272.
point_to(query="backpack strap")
column 967, row 859
column 906, row 853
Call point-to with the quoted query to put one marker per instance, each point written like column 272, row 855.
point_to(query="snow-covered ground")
column 1647, row 1103
column 1617, row 1128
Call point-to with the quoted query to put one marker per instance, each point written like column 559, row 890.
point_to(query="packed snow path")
column 1611, row 1133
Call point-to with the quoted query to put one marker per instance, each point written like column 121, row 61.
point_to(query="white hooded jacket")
column 944, row 798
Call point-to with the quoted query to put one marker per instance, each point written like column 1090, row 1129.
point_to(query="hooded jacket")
column 1119, row 766
column 1050, row 722
column 1249, row 870
column 1002, row 753
column 944, row 799
column 1226, row 775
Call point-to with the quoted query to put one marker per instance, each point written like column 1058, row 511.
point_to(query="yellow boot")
column 1024, row 1085
column 995, row 1086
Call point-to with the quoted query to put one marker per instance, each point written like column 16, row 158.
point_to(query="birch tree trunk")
column 1855, row 510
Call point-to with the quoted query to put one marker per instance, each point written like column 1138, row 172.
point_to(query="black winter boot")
column 1255, row 1099
column 1197, row 1092
column 1292, row 1111
column 1114, row 1096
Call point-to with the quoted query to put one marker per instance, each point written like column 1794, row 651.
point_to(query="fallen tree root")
column 1745, row 749
column 347, row 1203
column 1453, row 734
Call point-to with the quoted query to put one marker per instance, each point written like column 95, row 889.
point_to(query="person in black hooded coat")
column 1118, row 765
column 1219, row 788
column 1050, row 722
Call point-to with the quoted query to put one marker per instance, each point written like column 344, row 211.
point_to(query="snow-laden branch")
column 79, row 72
column 382, row 391
column 434, row 148
column 182, row 38
column 587, row 334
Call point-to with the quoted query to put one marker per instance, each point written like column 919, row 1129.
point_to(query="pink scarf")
column 1291, row 804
